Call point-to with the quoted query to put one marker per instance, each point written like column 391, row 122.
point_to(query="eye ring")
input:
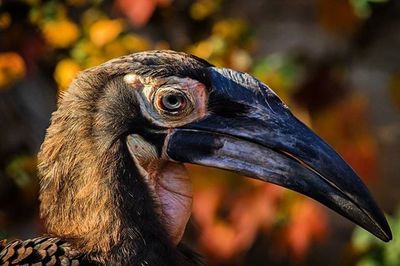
column 172, row 101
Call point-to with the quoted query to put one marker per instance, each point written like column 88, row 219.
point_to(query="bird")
column 113, row 184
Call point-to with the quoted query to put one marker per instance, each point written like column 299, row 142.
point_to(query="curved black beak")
column 250, row 131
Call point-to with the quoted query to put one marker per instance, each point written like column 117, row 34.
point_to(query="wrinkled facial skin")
column 153, row 91
column 239, row 124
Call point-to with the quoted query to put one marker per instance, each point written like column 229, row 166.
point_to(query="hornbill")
column 113, row 187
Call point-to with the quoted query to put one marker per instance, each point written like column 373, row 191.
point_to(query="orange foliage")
column 12, row 68
column 308, row 223
column 223, row 238
column 65, row 72
column 61, row 33
column 104, row 31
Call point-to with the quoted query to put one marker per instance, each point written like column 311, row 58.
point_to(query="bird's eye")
column 172, row 101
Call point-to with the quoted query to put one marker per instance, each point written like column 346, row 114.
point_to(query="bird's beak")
column 253, row 133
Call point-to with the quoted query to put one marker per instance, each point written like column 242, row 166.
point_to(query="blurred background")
column 336, row 63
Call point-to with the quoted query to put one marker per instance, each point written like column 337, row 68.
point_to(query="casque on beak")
column 260, row 138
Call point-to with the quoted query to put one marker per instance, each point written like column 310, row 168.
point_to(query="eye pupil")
column 172, row 100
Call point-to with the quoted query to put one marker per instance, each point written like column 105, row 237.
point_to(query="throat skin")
column 169, row 184
column 92, row 193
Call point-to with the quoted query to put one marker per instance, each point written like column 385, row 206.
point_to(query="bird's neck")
column 91, row 191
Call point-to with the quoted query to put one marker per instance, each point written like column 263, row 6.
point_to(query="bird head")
column 168, row 108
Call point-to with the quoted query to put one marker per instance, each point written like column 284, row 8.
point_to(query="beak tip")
column 377, row 224
column 382, row 230
column 385, row 237
column 387, row 234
